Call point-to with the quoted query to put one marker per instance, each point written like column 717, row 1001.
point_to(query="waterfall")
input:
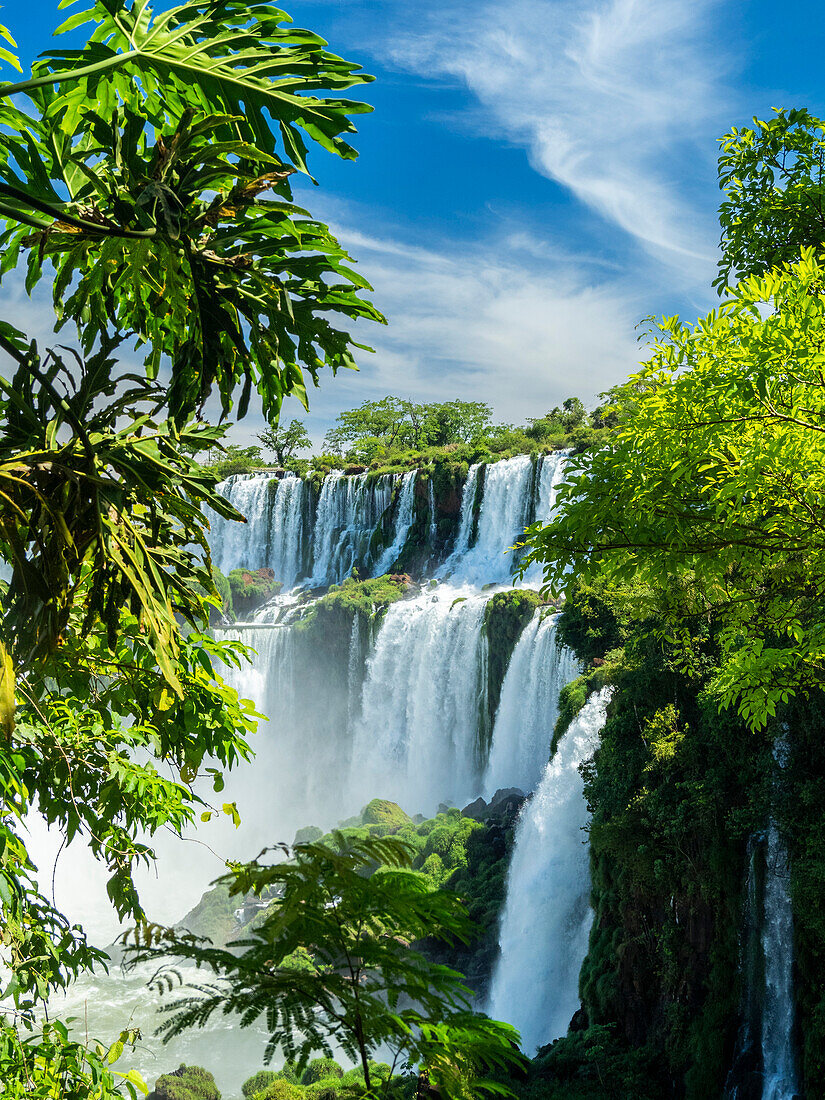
column 465, row 526
column 528, row 707
column 547, row 916
column 551, row 476
column 277, row 529
column 433, row 526
column 237, row 545
column 778, row 1061
column 404, row 515
column 349, row 509
column 416, row 740
column 505, row 510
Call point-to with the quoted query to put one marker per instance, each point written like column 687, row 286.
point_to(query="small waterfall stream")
column 778, row 1057
column 547, row 916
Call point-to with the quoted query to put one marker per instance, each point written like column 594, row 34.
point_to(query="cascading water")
column 778, row 1059
column 416, row 739
column 399, row 714
column 277, row 530
column 405, row 512
column 349, row 509
column 528, row 707
column 504, row 513
column 547, row 916
column 236, row 545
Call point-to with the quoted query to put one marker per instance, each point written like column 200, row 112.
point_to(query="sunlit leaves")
column 153, row 197
column 715, row 476
column 330, row 963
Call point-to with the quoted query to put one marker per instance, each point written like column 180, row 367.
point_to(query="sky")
column 536, row 178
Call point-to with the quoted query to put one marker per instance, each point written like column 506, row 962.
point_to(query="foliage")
column 146, row 198
column 232, row 459
column 258, row 1082
column 135, row 167
column 331, row 962
column 319, row 1068
column 773, row 178
column 391, row 432
column 712, row 487
column 285, row 441
column 186, row 1083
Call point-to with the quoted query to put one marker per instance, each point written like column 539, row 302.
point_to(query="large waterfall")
column 547, row 916
column 398, row 706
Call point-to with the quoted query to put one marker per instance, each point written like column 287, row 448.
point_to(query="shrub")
column 319, row 1068
column 258, row 1081
column 281, row 1089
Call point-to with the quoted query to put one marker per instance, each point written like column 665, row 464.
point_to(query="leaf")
column 7, row 689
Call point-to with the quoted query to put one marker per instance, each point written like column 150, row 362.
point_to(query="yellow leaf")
column 6, row 692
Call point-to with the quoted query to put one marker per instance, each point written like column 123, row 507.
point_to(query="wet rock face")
column 504, row 804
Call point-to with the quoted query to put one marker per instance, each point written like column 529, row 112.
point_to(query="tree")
column 710, row 488
column 150, row 170
column 145, row 168
column 773, row 176
column 379, row 427
column 455, row 422
column 331, row 962
column 286, row 441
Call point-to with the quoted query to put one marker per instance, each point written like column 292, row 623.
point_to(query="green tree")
column 150, row 171
column 285, row 441
column 331, row 962
column 773, row 177
column 456, row 421
column 710, row 488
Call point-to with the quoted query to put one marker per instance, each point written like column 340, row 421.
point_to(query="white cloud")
column 617, row 100
column 487, row 321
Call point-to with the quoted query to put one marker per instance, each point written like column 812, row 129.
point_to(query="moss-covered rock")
column 213, row 916
column 280, row 1089
column 258, row 1082
column 382, row 812
column 186, row 1083
column 251, row 589
column 320, row 1068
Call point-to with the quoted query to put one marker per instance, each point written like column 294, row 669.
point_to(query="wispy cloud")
column 617, row 100
column 488, row 319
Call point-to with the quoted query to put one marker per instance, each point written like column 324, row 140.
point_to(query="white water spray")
column 416, row 740
column 547, row 916
column 504, row 513
column 404, row 514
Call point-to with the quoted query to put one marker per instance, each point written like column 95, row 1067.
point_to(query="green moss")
column 252, row 588
column 213, row 916
column 320, row 1068
column 280, row 1089
column 186, row 1083
column 258, row 1081
column 382, row 812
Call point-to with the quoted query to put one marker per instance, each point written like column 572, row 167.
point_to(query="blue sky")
column 536, row 178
